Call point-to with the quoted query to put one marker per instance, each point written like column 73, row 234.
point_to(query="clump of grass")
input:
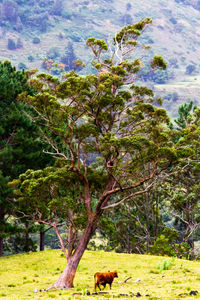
column 27, row 281
column 154, row 272
column 174, row 281
column 166, row 265
column 186, row 271
column 85, row 292
column 138, row 266
column 79, row 267
column 11, row 285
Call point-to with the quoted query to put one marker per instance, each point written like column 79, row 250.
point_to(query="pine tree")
column 20, row 147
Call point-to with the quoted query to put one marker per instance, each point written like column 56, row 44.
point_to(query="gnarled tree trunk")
column 66, row 279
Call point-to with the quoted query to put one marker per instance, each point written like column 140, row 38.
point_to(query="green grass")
column 21, row 274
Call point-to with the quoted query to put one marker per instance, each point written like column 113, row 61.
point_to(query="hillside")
column 55, row 29
column 152, row 277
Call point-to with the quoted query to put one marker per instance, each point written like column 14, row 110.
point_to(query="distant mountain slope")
column 57, row 29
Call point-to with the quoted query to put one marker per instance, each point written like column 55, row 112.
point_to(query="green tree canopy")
column 108, row 134
column 20, row 147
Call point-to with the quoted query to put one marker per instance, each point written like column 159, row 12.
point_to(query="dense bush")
column 167, row 244
column 164, row 244
column 20, row 243
column 190, row 69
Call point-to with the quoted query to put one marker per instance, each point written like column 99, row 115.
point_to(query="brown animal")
column 103, row 279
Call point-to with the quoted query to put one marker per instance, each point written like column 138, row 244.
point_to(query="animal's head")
column 115, row 274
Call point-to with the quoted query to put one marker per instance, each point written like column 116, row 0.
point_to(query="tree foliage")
column 20, row 147
column 109, row 138
column 183, row 185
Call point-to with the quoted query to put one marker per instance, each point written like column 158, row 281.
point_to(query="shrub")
column 30, row 58
column 66, row 15
column 166, row 265
column 161, row 246
column 165, row 243
column 22, row 66
column 190, row 69
column 36, row 40
column 173, row 20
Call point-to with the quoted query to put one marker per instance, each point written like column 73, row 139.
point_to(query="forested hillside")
column 33, row 31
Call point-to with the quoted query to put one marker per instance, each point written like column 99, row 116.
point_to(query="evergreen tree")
column 185, row 181
column 186, row 113
column 69, row 57
column 20, row 147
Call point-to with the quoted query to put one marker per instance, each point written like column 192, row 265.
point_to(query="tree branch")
column 129, row 196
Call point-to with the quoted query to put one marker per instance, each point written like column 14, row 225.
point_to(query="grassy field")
column 23, row 275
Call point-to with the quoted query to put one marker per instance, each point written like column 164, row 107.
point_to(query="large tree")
column 105, row 118
column 20, row 147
